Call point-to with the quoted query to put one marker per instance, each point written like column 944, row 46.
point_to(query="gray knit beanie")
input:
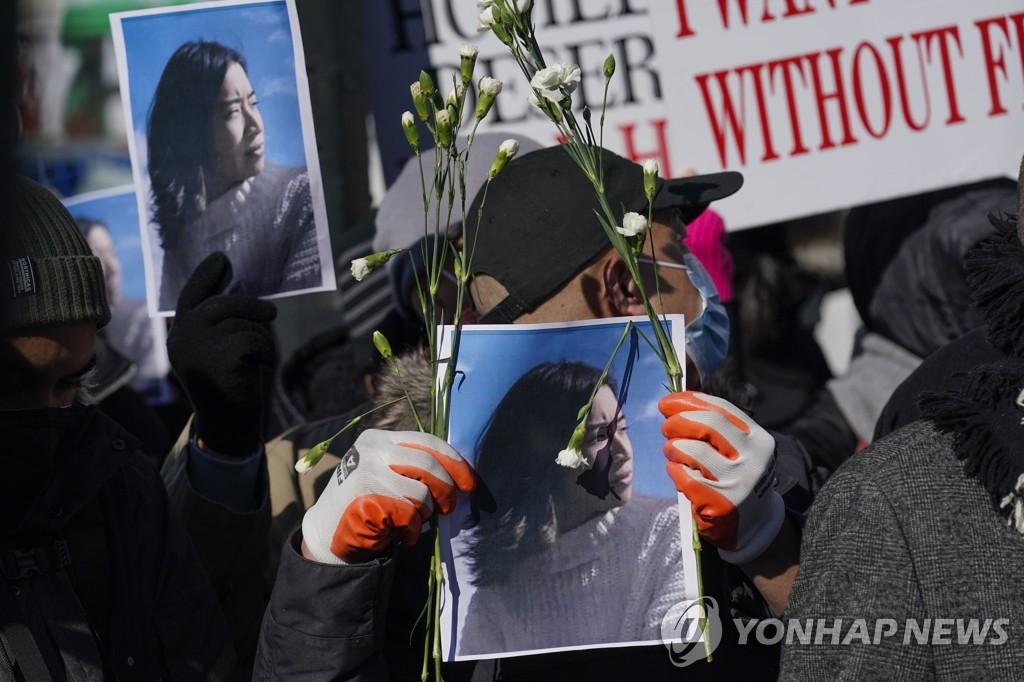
column 51, row 275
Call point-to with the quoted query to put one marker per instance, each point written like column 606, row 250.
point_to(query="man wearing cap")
column 541, row 256
column 98, row 579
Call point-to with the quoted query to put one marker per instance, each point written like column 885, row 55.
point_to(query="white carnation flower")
column 633, row 224
column 360, row 269
column 490, row 86
column 550, row 81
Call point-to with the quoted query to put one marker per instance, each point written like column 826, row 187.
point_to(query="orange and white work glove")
column 724, row 463
column 385, row 488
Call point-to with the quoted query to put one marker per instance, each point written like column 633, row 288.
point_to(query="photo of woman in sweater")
column 212, row 188
column 565, row 557
column 223, row 149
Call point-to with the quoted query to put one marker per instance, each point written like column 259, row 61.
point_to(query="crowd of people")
column 895, row 495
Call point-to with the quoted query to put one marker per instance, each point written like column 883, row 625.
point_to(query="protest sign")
column 222, row 147
column 413, row 35
column 824, row 104
column 109, row 219
column 543, row 557
column 821, row 104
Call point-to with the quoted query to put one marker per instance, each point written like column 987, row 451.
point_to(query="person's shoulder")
column 899, row 458
column 876, row 484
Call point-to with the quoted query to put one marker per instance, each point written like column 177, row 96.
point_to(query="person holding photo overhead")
column 559, row 544
column 212, row 188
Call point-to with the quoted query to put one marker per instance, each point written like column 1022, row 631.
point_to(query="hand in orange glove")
column 385, row 488
column 724, row 463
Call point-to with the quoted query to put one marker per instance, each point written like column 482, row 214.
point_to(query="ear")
column 621, row 293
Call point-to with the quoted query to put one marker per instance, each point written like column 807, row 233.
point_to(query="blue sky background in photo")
column 493, row 360
column 120, row 213
column 261, row 32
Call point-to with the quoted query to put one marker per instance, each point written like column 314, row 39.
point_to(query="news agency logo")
column 681, row 630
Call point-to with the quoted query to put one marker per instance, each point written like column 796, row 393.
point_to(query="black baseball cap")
column 540, row 226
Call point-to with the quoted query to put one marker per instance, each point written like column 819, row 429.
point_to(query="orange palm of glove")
column 724, row 463
column 386, row 487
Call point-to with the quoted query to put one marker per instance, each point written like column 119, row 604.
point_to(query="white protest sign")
column 581, row 32
column 824, row 104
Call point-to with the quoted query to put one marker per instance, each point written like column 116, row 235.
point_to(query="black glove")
column 223, row 351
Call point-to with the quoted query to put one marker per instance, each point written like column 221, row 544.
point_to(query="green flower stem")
column 316, row 453
column 523, row 40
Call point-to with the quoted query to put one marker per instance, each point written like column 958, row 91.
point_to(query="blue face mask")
column 707, row 337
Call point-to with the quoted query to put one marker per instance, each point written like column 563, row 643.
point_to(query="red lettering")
column 993, row 61
column 660, row 153
column 883, row 84
column 762, row 109
column 944, row 35
column 793, row 11
column 787, row 66
column 901, row 84
column 684, row 25
column 1018, row 24
column 728, row 123
column 723, row 10
column 839, row 95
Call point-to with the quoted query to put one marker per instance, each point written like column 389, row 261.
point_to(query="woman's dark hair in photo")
column 179, row 147
column 516, row 463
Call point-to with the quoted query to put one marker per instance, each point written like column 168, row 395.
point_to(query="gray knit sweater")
column 900, row 532
column 265, row 226
column 611, row 579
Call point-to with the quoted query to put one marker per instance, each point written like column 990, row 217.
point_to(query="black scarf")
column 985, row 414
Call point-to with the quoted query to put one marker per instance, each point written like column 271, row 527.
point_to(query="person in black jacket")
column 98, row 579
column 347, row 595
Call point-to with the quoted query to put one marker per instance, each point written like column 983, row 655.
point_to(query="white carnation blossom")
column 303, row 467
column 360, row 268
column 509, row 147
column 486, row 19
column 633, row 224
column 490, row 86
column 571, row 459
column 533, row 100
column 651, row 167
column 523, row 6
column 550, row 81
column 468, row 51
column 407, row 119
column 443, row 117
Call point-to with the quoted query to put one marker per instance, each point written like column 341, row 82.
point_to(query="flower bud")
column 467, row 62
column 380, row 342
column 487, row 90
column 609, row 66
column 361, row 267
column 443, row 125
column 508, row 149
column 419, row 101
column 456, row 97
column 523, row 7
column 572, row 456
column 412, row 134
column 491, row 20
column 487, row 20
column 427, row 84
column 650, row 178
